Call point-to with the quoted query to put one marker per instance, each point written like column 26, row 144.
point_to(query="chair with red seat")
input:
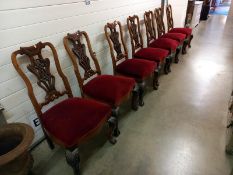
column 164, row 44
column 152, row 41
column 179, row 37
column 109, row 89
column 184, row 30
column 138, row 69
column 158, row 55
column 69, row 122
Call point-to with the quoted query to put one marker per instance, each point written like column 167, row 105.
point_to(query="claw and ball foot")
column 156, row 80
column 135, row 100
column 73, row 159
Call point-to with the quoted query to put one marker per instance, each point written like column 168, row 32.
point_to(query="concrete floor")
column 181, row 130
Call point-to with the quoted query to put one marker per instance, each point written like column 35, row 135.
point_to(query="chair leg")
column 112, row 126
column 170, row 62
column 167, row 66
column 73, row 160
column 115, row 114
column 184, row 47
column 49, row 141
column 135, row 98
column 156, row 79
column 141, row 87
column 177, row 55
column 190, row 40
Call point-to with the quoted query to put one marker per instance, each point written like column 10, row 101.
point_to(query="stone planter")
column 15, row 140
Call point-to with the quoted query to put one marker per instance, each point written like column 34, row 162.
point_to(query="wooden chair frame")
column 40, row 67
column 75, row 37
column 116, row 49
column 150, row 27
column 51, row 95
column 149, row 19
column 170, row 25
column 161, row 30
column 170, row 22
column 89, row 72
column 48, row 87
column 134, row 28
column 133, row 25
column 118, row 55
column 159, row 20
column 84, row 62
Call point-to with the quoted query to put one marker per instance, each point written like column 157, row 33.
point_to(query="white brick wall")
column 27, row 22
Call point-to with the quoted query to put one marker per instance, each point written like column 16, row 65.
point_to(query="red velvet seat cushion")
column 153, row 54
column 165, row 43
column 71, row 120
column 137, row 68
column 186, row 31
column 109, row 89
column 175, row 36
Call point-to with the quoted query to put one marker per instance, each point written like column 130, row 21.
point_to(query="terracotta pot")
column 15, row 140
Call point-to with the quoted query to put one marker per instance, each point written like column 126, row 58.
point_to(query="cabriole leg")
column 166, row 64
column 177, row 55
column 135, row 98
column 115, row 114
column 73, row 159
column 141, row 93
column 49, row 141
column 167, row 67
column 190, row 40
column 112, row 126
column 184, row 47
column 156, row 79
column 170, row 62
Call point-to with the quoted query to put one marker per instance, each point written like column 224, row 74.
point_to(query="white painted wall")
column 27, row 22
column 179, row 8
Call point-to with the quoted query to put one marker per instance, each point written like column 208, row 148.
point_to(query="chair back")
column 135, row 33
column 170, row 22
column 76, row 49
column 150, row 26
column 159, row 21
column 40, row 67
column 114, row 35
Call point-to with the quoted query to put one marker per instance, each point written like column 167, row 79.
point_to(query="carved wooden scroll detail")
column 159, row 20
column 150, row 29
column 40, row 67
column 170, row 23
column 118, row 50
column 79, row 49
column 114, row 36
column 133, row 28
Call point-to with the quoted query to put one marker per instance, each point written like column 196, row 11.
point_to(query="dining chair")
column 70, row 121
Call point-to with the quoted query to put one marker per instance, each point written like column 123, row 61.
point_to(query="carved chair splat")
column 133, row 24
column 150, row 27
column 159, row 21
column 78, row 56
column 116, row 43
column 170, row 23
column 40, row 67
